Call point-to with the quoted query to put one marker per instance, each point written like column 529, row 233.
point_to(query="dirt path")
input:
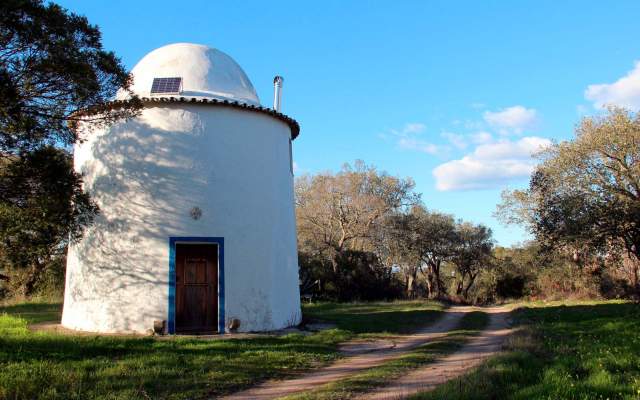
column 478, row 349
column 361, row 355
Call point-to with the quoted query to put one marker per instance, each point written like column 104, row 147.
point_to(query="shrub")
column 358, row 276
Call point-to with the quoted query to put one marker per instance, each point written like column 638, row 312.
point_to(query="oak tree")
column 54, row 74
column 472, row 254
column 344, row 211
column 585, row 193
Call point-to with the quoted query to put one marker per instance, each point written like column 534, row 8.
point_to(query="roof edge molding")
column 292, row 123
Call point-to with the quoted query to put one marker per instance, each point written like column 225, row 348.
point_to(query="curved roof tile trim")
column 292, row 123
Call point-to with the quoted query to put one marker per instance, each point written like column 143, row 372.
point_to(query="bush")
column 516, row 273
column 566, row 281
column 49, row 285
column 358, row 276
column 511, row 286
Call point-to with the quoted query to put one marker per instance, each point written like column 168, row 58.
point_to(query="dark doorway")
column 196, row 288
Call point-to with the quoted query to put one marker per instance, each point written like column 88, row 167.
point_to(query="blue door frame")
column 173, row 241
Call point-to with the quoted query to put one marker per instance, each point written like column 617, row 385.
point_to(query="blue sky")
column 455, row 95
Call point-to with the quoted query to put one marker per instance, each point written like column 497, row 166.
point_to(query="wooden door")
column 196, row 288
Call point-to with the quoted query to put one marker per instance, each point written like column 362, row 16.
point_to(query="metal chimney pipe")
column 277, row 92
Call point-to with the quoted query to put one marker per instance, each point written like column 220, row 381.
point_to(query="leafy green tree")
column 424, row 240
column 436, row 241
column 585, row 194
column 400, row 241
column 54, row 74
column 516, row 269
column 44, row 207
column 53, row 69
column 472, row 254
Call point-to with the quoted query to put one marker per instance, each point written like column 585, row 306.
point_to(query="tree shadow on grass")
column 35, row 312
column 375, row 317
column 134, row 367
column 46, row 365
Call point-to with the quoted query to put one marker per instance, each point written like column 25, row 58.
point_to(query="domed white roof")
column 205, row 73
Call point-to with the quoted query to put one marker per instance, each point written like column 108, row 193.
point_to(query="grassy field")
column 470, row 325
column 572, row 351
column 55, row 366
column 561, row 351
column 376, row 318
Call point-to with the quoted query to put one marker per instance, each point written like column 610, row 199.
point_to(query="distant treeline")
column 365, row 235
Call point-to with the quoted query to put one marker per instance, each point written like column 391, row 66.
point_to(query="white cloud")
column 624, row 92
column 481, row 137
column 408, row 138
column 295, row 167
column 512, row 119
column 458, row 141
column 470, row 124
column 467, row 123
column 490, row 165
column 408, row 130
column 413, row 127
column 419, row 145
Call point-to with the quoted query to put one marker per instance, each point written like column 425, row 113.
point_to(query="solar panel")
column 166, row 85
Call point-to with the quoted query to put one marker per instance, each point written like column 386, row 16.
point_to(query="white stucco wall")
column 146, row 175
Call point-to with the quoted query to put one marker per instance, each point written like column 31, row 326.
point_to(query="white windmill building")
column 197, row 224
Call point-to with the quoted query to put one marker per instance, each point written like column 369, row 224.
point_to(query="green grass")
column 470, row 325
column 572, row 351
column 34, row 312
column 55, row 366
column 376, row 317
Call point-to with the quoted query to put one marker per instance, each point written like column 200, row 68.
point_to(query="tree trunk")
column 460, row 286
column 334, row 263
column 412, row 277
column 438, row 281
column 29, row 285
column 634, row 259
column 434, row 283
column 430, row 283
column 636, row 277
column 472, row 278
